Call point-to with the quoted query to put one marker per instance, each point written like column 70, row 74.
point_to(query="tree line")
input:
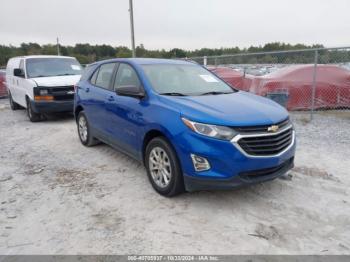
column 87, row 53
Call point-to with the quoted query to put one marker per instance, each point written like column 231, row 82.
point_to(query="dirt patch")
column 344, row 114
column 267, row 232
column 315, row 172
column 66, row 176
column 30, row 169
column 3, row 107
column 106, row 220
column 76, row 181
column 4, row 178
column 304, row 120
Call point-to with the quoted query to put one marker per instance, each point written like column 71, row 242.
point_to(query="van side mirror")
column 132, row 91
column 18, row 72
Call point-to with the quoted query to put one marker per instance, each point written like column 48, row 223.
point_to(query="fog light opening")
column 200, row 163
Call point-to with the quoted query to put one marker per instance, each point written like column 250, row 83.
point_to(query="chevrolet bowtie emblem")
column 70, row 93
column 273, row 128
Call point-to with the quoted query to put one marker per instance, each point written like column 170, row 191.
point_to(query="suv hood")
column 53, row 81
column 236, row 109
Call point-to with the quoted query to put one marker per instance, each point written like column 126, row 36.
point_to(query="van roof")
column 44, row 56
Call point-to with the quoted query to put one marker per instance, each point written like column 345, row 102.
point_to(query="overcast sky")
column 187, row 24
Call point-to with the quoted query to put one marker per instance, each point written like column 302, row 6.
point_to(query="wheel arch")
column 178, row 184
column 77, row 110
column 151, row 134
column 27, row 99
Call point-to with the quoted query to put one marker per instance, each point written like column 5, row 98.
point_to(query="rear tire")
column 13, row 104
column 163, row 168
column 33, row 116
column 84, row 131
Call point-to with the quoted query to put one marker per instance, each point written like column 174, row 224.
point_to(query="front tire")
column 163, row 168
column 33, row 116
column 84, row 130
column 13, row 104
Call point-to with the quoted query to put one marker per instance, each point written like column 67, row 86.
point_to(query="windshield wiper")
column 54, row 75
column 67, row 74
column 39, row 76
column 172, row 94
column 215, row 93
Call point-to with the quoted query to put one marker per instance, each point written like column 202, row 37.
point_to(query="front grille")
column 62, row 93
column 266, row 145
column 260, row 129
column 63, row 97
column 59, row 93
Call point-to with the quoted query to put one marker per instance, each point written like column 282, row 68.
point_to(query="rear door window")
column 126, row 76
column 104, row 75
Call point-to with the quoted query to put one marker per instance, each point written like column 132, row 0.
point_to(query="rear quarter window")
column 104, row 76
column 87, row 72
column 94, row 76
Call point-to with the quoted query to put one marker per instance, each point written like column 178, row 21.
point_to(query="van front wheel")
column 33, row 116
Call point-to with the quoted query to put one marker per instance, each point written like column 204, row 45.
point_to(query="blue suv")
column 189, row 128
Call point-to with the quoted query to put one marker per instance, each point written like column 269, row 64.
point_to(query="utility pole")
column 58, row 46
column 132, row 28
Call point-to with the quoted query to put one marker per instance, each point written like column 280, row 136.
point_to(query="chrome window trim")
column 235, row 140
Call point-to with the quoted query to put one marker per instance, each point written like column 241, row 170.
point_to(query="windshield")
column 43, row 67
column 173, row 79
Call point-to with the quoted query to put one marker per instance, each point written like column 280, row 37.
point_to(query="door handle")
column 87, row 89
column 110, row 98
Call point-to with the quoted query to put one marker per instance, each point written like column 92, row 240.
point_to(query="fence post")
column 205, row 60
column 313, row 94
column 216, row 61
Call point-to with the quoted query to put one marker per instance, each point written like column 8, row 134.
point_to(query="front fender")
column 167, row 122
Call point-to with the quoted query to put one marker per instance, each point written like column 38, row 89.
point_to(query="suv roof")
column 148, row 61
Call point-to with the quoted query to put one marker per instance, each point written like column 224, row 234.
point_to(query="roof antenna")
column 58, row 47
column 131, row 11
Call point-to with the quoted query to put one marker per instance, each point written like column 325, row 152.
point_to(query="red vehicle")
column 3, row 89
column 332, row 89
column 233, row 77
column 296, row 82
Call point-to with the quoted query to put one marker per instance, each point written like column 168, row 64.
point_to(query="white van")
column 42, row 84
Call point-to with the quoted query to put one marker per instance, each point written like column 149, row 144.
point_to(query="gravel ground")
column 59, row 197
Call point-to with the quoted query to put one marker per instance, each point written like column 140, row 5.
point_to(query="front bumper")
column 52, row 106
column 230, row 166
column 243, row 179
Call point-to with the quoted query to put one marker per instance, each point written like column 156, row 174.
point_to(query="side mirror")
column 18, row 72
column 132, row 91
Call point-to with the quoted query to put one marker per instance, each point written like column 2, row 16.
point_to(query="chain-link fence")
column 309, row 80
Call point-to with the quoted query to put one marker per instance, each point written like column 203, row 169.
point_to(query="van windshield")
column 45, row 67
column 179, row 79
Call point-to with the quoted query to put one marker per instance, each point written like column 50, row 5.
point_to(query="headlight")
column 43, row 92
column 219, row 132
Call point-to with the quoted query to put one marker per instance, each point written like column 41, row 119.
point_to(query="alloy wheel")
column 83, row 129
column 160, row 167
